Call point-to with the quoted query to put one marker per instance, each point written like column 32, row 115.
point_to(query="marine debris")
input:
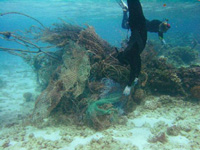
column 70, row 70
column 28, row 96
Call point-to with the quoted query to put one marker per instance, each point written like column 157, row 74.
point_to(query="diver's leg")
column 135, row 65
column 137, row 22
column 138, row 66
column 136, row 16
column 125, row 24
column 125, row 56
column 137, row 42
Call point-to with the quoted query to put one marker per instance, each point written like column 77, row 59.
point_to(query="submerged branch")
column 23, row 42
column 14, row 49
column 3, row 14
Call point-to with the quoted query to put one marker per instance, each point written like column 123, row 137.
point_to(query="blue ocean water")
column 104, row 16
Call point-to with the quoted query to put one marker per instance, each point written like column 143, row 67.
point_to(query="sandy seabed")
column 159, row 123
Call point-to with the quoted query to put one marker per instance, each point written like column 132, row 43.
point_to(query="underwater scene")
column 65, row 86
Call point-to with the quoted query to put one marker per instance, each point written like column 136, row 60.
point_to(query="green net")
column 101, row 113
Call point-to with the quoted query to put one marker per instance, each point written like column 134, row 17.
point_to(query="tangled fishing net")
column 85, row 59
column 80, row 77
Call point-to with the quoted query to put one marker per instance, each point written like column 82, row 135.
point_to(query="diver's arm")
column 160, row 35
column 125, row 24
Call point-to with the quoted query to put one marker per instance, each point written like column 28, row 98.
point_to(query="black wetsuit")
column 152, row 26
column 137, row 41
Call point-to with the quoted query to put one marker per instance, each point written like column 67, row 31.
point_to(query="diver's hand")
column 127, row 90
column 135, row 82
column 163, row 42
column 166, row 46
column 125, row 9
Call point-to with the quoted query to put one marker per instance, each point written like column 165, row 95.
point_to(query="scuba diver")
column 136, row 43
column 156, row 26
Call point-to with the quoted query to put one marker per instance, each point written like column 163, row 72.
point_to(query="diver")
column 136, row 43
column 156, row 26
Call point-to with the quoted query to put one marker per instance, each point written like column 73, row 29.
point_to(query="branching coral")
column 180, row 56
column 195, row 92
column 190, row 78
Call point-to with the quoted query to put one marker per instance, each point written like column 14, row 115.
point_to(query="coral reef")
column 79, row 71
column 160, row 137
column 181, row 56
column 107, row 144
column 195, row 92
column 173, row 130
column 28, row 96
column 85, row 57
column 165, row 78
column 159, row 127
column 77, row 87
column 139, row 95
column 190, row 79
column 151, row 104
